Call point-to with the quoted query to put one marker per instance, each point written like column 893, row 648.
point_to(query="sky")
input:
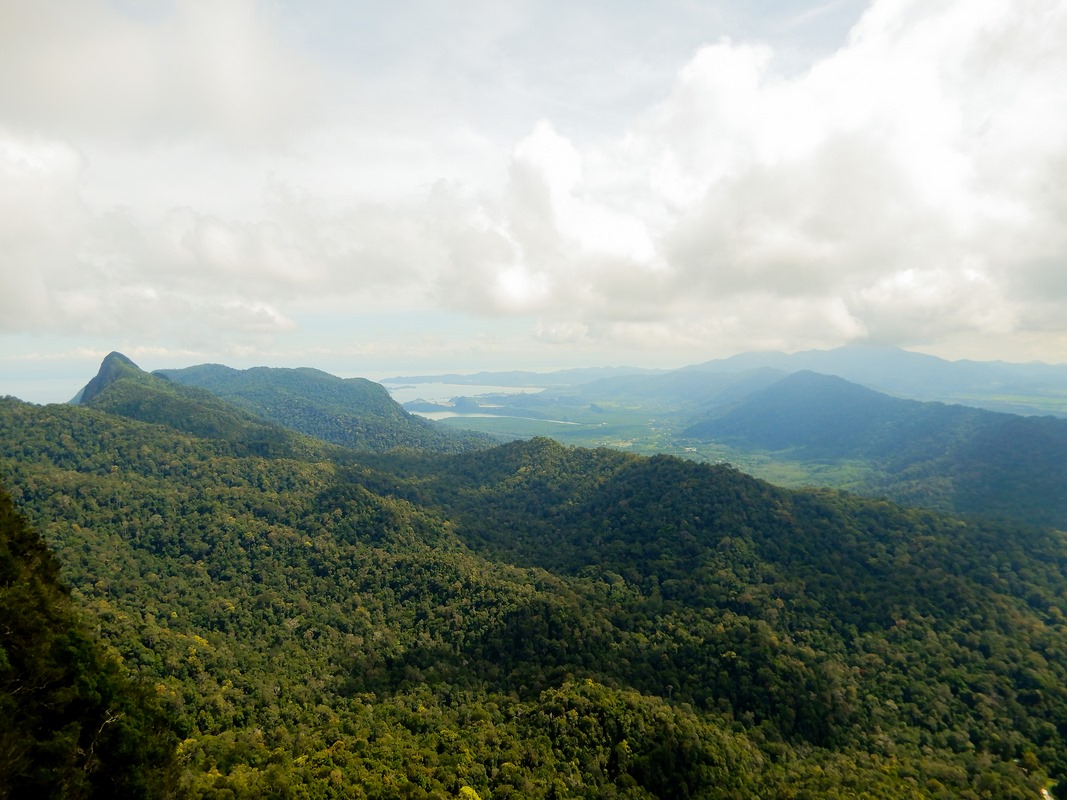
column 381, row 188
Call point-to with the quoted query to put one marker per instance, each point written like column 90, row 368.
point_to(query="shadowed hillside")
column 74, row 725
column 951, row 457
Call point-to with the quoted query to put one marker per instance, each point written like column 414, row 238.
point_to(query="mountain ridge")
column 114, row 367
column 1025, row 388
column 350, row 412
column 122, row 388
column 74, row 717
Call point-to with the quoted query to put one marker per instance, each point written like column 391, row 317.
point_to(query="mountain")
column 827, row 416
column 113, row 368
column 122, row 388
column 525, row 378
column 673, row 394
column 953, row 457
column 1034, row 388
column 667, row 393
column 821, row 429
column 353, row 412
column 533, row 620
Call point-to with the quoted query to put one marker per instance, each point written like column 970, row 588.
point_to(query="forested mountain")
column 951, row 457
column 352, row 412
column 540, row 621
column 1033, row 388
column 124, row 389
column 115, row 367
column 74, row 723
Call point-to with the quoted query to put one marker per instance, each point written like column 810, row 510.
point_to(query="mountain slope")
column 536, row 621
column 353, row 412
column 113, row 368
column 827, row 416
column 954, row 457
column 1034, row 388
column 771, row 571
column 123, row 389
column 74, row 724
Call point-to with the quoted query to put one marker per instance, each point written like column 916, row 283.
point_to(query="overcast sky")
column 378, row 187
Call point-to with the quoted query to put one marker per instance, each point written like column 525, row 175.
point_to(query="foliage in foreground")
column 74, row 724
column 536, row 621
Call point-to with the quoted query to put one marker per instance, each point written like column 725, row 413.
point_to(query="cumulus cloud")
column 901, row 182
column 906, row 188
column 69, row 269
column 43, row 224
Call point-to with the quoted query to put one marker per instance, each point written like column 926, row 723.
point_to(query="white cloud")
column 904, row 155
column 42, row 222
column 178, row 69
column 199, row 170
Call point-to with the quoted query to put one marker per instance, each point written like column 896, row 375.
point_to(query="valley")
column 809, row 429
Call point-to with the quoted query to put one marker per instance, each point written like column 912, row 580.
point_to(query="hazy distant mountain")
column 1033, row 388
column 663, row 394
column 676, row 390
column 950, row 456
column 352, row 412
column 827, row 416
column 525, row 379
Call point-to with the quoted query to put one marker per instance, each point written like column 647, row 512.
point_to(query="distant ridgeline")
column 949, row 457
column 1033, row 388
column 524, row 621
column 808, row 428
